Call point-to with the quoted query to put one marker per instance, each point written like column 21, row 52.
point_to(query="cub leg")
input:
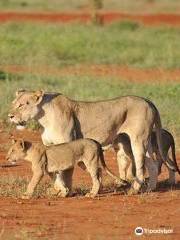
column 152, row 166
column 37, row 175
column 96, row 178
column 172, row 178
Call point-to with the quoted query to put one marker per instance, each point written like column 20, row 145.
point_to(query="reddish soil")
column 111, row 216
column 118, row 71
column 85, row 17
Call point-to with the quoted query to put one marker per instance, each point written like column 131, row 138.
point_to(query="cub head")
column 25, row 106
column 17, row 151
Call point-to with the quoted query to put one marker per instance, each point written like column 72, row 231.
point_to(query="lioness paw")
column 90, row 195
column 52, row 191
column 64, row 193
column 26, row 196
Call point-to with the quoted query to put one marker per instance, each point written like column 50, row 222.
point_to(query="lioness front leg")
column 60, row 185
column 32, row 185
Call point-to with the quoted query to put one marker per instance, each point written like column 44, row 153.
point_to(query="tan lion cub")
column 58, row 159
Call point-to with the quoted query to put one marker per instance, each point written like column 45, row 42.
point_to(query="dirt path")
column 111, row 216
column 118, row 71
column 81, row 16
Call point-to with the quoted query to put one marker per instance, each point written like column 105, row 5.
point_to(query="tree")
column 96, row 5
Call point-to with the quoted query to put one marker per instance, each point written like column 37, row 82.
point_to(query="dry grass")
column 14, row 187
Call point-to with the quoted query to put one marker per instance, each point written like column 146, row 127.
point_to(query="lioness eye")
column 27, row 103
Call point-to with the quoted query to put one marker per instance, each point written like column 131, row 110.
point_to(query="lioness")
column 60, row 158
column 64, row 120
column 123, row 146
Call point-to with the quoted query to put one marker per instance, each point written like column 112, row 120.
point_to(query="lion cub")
column 123, row 145
column 60, row 159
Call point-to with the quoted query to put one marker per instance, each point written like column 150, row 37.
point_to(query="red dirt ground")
column 79, row 16
column 111, row 216
column 118, row 71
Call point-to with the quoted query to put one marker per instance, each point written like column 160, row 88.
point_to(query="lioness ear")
column 19, row 92
column 38, row 95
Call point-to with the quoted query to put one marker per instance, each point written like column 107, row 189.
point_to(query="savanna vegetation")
column 119, row 43
column 152, row 6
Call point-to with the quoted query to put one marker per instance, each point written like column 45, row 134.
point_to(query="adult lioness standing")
column 64, row 120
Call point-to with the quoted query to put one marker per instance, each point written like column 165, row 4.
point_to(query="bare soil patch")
column 85, row 17
column 111, row 216
column 118, row 71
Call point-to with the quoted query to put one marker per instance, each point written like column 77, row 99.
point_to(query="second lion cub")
column 58, row 159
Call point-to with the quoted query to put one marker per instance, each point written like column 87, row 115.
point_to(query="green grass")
column 165, row 96
column 119, row 43
column 64, row 5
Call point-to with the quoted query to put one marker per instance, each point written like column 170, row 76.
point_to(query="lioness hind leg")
column 138, row 150
column 122, row 164
column 131, row 172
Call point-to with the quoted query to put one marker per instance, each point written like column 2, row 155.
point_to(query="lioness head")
column 16, row 151
column 25, row 106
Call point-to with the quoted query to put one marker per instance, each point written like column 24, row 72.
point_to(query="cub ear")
column 22, row 144
column 14, row 140
column 38, row 95
column 20, row 91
